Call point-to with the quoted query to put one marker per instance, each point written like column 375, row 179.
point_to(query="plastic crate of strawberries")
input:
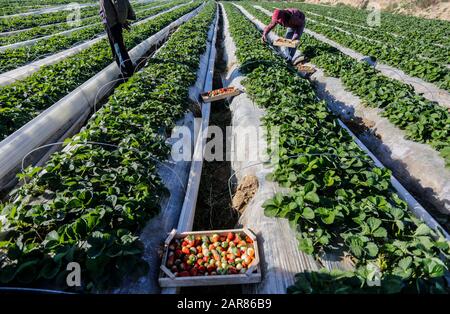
column 215, row 254
column 220, row 93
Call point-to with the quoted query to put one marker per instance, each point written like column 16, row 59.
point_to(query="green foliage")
column 345, row 282
column 21, row 22
column 8, row 7
column 22, row 101
column 336, row 194
column 89, row 204
column 15, row 57
column 142, row 10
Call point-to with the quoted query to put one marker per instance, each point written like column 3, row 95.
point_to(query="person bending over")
column 294, row 20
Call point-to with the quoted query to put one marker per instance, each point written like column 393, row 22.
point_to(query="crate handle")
column 167, row 271
column 170, row 237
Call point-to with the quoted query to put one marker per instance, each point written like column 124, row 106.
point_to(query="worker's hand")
column 126, row 26
column 263, row 39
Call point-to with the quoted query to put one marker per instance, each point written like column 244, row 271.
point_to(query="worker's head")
column 287, row 15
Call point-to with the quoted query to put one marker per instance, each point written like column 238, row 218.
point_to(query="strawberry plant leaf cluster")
column 421, row 29
column 18, row 6
column 21, row 22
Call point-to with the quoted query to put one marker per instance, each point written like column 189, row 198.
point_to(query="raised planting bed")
column 36, row 33
column 423, row 120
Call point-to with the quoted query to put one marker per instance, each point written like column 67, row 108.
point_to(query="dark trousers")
column 289, row 34
column 119, row 51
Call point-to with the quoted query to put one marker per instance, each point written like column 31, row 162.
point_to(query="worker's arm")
column 272, row 24
column 269, row 28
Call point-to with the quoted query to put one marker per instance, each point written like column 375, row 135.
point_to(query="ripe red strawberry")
column 170, row 260
column 183, row 274
column 232, row 270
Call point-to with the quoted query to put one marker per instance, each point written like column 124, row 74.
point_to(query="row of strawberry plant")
column 419, row 29
column 413, row 47
column 91, row 202
column 36, row 3
column 24, row 22
column 337, row 197
column 426, row 69
column 37, row 32
column 423, row 121
column 13, row 58
column 10, row 7
column 22, row 101
column 14, row 8
column 20, row 22
column 41, row 31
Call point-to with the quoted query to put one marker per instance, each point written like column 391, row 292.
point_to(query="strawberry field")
column 353, row 198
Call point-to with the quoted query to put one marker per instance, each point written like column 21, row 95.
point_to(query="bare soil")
column 245, row 191
column 432, row 9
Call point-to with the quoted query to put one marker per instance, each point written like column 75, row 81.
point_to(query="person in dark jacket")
column 294, row 20
column 115, row 15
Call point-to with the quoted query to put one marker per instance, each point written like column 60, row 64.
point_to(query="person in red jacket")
column 294, row 20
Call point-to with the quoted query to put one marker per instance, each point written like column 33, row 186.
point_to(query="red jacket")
column 292, row 18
